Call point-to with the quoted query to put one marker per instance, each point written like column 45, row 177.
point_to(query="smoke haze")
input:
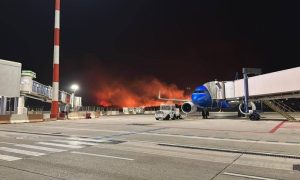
column 110, row 88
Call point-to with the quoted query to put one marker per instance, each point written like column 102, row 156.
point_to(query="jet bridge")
column 17, row 84
column 277, row 85
column 266, row 87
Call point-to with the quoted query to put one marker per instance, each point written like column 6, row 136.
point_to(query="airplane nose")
column 195, row 97
column 198, row 99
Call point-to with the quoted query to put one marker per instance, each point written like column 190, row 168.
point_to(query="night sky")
column 184, row 43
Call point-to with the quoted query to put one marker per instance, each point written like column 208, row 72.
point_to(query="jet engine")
column 188, row 107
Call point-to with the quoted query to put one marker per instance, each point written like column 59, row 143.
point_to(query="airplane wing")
column 177, row 100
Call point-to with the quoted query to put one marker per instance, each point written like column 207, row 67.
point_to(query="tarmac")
column 139, row 147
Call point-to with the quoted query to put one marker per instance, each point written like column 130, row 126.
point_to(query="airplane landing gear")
column 205, row 113
column 254, row 116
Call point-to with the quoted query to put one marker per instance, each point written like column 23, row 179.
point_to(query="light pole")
column 74, row 88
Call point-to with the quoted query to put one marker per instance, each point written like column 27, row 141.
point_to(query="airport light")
column 74, row 88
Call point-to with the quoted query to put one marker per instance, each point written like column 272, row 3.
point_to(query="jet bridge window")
column 199, row 91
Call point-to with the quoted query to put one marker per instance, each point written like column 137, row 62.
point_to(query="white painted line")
column 277, row 143
column 19, row 151
column 84, row 129
column 9, row 158
column 88, row 139
column 221, row 139
column 75, row 142
column 6, row 143
column 247, row 176
column 40, row 148
column 61, row 145
column 101, row 155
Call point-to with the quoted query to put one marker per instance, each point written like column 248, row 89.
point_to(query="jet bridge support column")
column 247, row 71
column 246, row 91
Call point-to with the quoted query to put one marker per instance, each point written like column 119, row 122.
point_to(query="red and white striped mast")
column 55, row 84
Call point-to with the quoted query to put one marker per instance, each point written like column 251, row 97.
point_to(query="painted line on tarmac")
column 274, row 129
column 224, row 139
column 7, row 143
column 61, row 145
column 247, row 176
column 62, row 135
column 101, row 155
column 19, row 151
column 40, row 148
column 85, row 129
column 9, row 158
column 202, row 129
column 98, row 140
column 291, row 127
column 74, row 142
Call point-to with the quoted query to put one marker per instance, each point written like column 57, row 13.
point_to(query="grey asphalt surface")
column 129, row 147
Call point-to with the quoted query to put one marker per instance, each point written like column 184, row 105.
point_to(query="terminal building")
column 17, row 85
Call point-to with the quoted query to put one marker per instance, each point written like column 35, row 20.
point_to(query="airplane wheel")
column 254, row 117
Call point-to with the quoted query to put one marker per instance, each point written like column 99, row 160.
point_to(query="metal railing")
column 283, row 106
column 280, row 109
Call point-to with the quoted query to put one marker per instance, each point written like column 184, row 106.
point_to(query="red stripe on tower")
column 56, row 73
column 56, row 36
column 57, row 4
column 55, row 84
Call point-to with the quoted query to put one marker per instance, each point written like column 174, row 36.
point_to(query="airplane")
column 264, row 88
column 201, row 98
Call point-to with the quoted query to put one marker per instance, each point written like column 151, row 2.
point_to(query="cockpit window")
column 199, row 91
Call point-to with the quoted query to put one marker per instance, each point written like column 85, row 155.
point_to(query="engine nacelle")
column 188, row 107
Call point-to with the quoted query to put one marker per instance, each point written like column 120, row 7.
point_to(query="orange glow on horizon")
column 136, row 93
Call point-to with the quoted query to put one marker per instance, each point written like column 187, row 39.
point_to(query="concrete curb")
column 21, row 118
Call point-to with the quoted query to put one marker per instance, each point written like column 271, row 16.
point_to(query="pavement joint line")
column 151, row 130
column 227, row 166
column 225, row 139
column 248, row 176
column 290, row 156
column 101, row 155
column 291, row 142
column 24, row 170
column 265, row 132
